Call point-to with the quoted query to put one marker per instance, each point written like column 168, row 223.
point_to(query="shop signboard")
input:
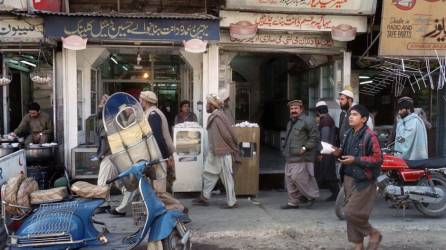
column 355, row 7
column 413, row 28
column 131, row 29
column 13, row 5
column 285, row 40
column 292, row 22
column 24, row 30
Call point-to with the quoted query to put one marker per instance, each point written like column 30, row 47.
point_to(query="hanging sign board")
column 26, row 30
column 355, row 7
column 413, row 28
column 285, row 40
column 293, row 22
column 131, row 29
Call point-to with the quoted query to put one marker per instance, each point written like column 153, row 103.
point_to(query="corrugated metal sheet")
column 197, row 16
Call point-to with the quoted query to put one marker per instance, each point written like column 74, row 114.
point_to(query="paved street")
column 265, row 226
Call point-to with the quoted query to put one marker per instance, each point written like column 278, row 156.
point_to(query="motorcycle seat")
column 435, row 162
column 90, row 191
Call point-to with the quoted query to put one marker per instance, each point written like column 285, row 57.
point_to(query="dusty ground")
column 264, row 225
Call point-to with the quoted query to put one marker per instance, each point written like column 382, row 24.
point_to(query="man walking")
column 108, row 171
column 299, row 150
column 222, row 147
column 326, row 166
column 346, row 102
column 160, row 129
column 411, row 135
column 361, row 160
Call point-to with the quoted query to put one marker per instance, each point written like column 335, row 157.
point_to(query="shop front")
column 276, row 51
column 110, row 53
column 27, row 77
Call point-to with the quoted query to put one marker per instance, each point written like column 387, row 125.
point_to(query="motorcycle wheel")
column 429, row 209
column 340, row 204
column 173, row 241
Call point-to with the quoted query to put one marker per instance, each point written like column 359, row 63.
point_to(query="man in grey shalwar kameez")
column 299, row 150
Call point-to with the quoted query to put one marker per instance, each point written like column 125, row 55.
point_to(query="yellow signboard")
column 413, row 28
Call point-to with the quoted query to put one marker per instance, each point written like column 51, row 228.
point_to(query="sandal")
column 373, row 245
column 230, row 207
column 200, row 202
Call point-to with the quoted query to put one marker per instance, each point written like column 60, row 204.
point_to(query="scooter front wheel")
column 178, row 240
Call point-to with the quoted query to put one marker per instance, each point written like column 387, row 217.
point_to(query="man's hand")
column 337, row 151
column 347, row 159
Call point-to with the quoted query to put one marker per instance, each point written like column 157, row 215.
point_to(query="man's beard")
column 345, row 107
column 403, row 115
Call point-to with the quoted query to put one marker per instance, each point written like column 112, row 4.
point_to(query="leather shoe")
column 116, row 213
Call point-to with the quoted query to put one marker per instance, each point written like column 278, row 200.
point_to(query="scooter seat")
column 48, row 195
column 436, row 162
column 90, row 191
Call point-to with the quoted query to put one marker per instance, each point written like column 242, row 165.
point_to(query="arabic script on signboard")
column 12, row 30
column 17, row 30
column 307, row 3
column 295, row 40
column 107, row 28
column 301, row 22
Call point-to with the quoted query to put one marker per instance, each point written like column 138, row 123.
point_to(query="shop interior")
column 132, row 70
column 29, row 74
column 107, row 70
column 265, row 82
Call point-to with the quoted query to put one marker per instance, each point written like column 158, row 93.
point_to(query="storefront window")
column 188, row 145
column 327, row 82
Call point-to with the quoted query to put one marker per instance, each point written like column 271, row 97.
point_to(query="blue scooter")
column 69, row 224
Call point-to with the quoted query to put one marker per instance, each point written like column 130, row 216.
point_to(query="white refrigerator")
column 188, row 159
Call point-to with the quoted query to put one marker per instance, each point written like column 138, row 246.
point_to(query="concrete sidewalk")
column 263, row 225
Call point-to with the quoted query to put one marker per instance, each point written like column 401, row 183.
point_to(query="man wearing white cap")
column 160, row 129
column 326, row 164
column 222, row 148
column 346, row 102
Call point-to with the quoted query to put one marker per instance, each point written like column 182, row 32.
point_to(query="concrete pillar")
column 347, row 68
column 196, row 63
column 69, row 82
column 210, row 75
column 6, row 121
column 226, row 82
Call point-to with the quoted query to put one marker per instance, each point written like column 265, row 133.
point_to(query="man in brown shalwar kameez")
column 35, row 125
column 299, row 150
column 361, row 159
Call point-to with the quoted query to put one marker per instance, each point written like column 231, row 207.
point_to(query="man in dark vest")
column 299, row 151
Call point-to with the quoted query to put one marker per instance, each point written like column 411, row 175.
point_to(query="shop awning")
column 131, row 27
